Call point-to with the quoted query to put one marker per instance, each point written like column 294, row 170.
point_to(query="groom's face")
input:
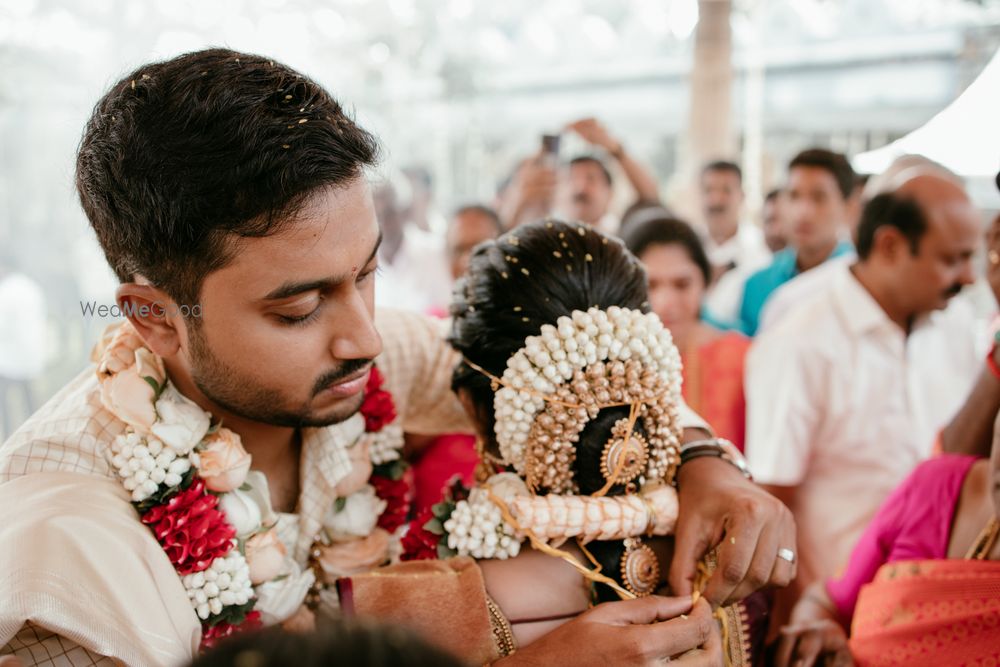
column 287, row 334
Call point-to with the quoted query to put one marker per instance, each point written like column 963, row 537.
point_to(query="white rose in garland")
column 278, row 600
column 248, row 508
column 354, row 516
column 181, row 424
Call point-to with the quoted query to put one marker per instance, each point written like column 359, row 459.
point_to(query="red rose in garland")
column 191, row 530
column 378, row 407
column 396, row 494
column 418, row 542
column 213, row 634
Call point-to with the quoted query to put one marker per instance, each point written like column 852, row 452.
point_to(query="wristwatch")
column 719, row 447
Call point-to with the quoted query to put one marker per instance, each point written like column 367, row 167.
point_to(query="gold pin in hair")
column 524, row 271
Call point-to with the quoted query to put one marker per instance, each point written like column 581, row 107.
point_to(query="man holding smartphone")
column 582, row 190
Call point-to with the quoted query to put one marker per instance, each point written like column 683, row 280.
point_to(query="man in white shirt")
column 846, row 393
column 735, row 249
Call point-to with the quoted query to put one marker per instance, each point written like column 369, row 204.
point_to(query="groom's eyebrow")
column 292, row 288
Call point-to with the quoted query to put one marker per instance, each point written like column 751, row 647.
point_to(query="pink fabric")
column 914, row 523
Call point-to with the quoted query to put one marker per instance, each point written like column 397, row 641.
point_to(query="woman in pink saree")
column 922, row 586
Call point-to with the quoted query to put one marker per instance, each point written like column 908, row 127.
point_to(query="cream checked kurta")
column 72, row 434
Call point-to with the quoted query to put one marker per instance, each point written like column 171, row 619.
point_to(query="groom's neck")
column 275, row 449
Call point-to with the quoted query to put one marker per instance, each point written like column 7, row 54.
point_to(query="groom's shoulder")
column 70, row 433
column 410, row 337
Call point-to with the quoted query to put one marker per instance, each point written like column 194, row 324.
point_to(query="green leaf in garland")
column 246, row 487
column 393, row 470
column 443, row 510
column 434, row 526
column 340, row 504
column 241, row 544
column 232, row 614
column 444, row 552
column 157, row 389
column 164, row 493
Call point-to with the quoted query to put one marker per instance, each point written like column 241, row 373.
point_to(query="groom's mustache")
column 347, row 369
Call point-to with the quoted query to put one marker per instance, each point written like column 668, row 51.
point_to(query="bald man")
column 847, row 392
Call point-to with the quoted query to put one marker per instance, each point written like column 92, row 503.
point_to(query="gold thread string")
column 651, row 523
column 545, row 397
column 542, row 546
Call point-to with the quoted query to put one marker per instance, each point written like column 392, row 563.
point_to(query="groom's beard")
column 244, row 396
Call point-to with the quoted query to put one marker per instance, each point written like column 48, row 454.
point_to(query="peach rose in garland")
column 118, row 353
column 346, row 558
column 130, row 392
column 223, row 463
column 265, row 555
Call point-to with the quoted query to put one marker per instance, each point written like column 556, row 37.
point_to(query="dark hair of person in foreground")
column 344, row 644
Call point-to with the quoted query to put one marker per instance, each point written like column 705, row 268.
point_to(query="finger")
column 842, row 658
column 808, row 649
column 669, row 638
column 709, row 655
column 690, row 545
column 10, row 661
column 786, row 647
column 641, row 611
column 783, row 572
column 789, row 540
column 735, row 555
column 762, row 563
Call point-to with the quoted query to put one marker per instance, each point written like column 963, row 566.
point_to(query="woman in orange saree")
column 713, row 359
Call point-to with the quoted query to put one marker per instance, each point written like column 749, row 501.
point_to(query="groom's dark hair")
column 181, row 156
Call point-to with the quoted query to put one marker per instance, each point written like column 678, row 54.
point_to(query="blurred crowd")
column 838, row 339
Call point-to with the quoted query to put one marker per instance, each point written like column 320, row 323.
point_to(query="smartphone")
column 550, row 144
column 550, row 149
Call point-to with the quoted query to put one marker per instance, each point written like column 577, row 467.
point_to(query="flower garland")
column 191, row 483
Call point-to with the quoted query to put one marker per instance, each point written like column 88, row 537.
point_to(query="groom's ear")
column 154, row 314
